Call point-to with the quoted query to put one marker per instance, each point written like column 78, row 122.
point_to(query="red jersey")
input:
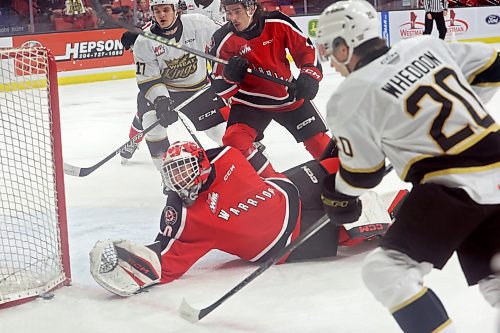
column 265, row 46
column 236, row 212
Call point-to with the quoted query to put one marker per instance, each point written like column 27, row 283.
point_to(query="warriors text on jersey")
column 264, row 46
column 236, row 212
column 162, row 68
column 415, row 106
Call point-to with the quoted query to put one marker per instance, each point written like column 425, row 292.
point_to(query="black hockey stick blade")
column 82, row 172
column 193, row 315
column 171, row 42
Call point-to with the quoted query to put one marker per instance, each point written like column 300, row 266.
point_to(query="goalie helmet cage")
column 34, row 253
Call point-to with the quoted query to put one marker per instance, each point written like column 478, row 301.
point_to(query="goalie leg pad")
column 124, row 268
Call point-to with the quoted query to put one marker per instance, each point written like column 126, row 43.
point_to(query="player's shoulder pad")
column 218, row 37
column 277, row 15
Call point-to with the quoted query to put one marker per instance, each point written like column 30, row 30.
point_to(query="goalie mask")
column 185, row 169
column 352, row 22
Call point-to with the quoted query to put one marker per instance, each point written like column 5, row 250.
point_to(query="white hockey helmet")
column 175, row 3
column 185, row 169
column 355, row 21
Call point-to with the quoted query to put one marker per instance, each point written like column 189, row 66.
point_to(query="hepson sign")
column 82, row 49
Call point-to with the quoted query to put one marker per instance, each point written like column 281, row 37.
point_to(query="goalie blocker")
column 124, row 268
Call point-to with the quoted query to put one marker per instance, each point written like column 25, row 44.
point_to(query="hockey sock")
column 133, row 132
column 317, row 144
column 423, row 313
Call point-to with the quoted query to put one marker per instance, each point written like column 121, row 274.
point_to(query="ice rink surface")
column 125, row 201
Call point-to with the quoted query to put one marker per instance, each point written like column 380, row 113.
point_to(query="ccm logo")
column 206, row 115
column 310, row 174
column 371, row 227
column 312, row 73
column 306, row 122
column 229, row 172
column 267, row 42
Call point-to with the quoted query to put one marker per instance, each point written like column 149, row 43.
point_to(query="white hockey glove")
column 124, row 268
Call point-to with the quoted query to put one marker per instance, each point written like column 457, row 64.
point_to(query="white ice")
column 124, row 202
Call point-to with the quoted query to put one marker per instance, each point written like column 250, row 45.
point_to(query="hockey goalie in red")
column 217, row 200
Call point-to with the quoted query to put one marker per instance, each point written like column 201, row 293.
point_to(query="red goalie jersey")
column 236, row 212
column 265, row 47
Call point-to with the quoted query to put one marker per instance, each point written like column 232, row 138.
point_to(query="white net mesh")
column 30, row 240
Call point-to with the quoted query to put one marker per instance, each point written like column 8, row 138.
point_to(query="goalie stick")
column 193, row 315
column 82, row 172
column 171, row 42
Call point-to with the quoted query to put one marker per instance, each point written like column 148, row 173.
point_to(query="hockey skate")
column 128, row 152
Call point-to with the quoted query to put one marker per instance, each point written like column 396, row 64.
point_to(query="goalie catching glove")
column 124, row 268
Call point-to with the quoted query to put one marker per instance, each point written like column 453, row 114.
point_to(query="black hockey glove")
column 128, row 39
column 340, row 208
column 307, row 83
column 236, row 69
column 164, row 111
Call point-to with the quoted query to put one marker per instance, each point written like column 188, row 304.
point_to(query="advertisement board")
column 101, row 51
column 81, row 49
column 462, row 23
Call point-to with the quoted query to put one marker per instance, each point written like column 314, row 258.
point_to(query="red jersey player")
column 259, row 40
column 218, row 201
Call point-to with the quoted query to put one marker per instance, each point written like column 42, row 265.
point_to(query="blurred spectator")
column 106, row 25
column 22, row 8
column 143, row 13
column 76, row 15
column 44, row 22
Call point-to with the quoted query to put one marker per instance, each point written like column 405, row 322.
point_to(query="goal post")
column 34, row 252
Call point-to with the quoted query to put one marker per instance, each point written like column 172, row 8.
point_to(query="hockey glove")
column 123, row 267
column 340, row 208
column 235, row 70
column 307, row 84
column 128, row 39
column 164, row 111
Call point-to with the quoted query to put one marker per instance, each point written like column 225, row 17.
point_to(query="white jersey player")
column 210, row 8
column 413, row 103
column 167, row 76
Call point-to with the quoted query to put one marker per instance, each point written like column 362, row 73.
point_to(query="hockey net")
column 34, row 256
